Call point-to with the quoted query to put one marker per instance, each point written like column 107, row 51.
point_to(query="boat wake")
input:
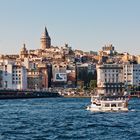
column 134, row 110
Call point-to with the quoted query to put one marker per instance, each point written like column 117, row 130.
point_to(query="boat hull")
column 101, row 109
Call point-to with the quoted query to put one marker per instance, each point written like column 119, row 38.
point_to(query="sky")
column 83, row 24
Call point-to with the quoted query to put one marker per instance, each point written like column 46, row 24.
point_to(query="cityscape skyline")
column 83, row 25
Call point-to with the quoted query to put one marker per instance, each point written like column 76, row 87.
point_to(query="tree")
column 93, row 84
column 89, row 77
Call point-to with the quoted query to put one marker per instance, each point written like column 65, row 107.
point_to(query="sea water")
column 66, row 119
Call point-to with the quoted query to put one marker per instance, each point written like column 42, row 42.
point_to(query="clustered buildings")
column 62, row 67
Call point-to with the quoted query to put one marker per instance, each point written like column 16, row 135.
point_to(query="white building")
column 131, row 74
column 110, row 78
column 19, row 77
column 14, row 76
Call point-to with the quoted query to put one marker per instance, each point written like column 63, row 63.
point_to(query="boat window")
column 106, row 105
column 98, row 104
column 113, row 105
column 120, row 104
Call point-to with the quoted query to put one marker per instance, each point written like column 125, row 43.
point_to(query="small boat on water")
column 108, row 103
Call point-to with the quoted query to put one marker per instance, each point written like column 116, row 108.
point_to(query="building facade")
column 131, row 74
column 110, row 78
column 14, row 76
column 59, row 73
column 34, row 79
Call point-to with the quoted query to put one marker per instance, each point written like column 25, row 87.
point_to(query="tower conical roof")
column 46, row 32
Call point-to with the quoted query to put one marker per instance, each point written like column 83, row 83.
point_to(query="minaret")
column 23, row 52
column 45, row 40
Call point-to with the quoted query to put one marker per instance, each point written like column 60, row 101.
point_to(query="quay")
column 77, row 96
column 19, row 94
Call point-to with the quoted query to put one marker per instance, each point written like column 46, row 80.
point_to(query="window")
column 106, row 105
column 6, row 84
column 5, row 73
column 119, row 104
column 113, row 80
column 113, row 105
column 5, row 67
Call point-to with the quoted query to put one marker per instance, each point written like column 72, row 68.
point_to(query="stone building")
column 45, row 40
column 45, row 78
column 34, row 79
column 23, row 52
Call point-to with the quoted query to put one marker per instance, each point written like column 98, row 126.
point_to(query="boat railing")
column 110, row 98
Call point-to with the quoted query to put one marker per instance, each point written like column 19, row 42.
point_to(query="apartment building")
column 14, row 76
column 110, row 78
column 131, row 74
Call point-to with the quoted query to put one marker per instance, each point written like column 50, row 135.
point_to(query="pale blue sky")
column 83, row 24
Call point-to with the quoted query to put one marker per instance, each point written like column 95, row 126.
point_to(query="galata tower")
column 45, row 40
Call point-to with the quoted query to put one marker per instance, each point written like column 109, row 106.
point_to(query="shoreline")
column 76, row 96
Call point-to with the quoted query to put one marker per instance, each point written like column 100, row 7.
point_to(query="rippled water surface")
column 66, row 118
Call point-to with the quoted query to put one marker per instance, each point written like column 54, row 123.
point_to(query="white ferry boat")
column 108, row 103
